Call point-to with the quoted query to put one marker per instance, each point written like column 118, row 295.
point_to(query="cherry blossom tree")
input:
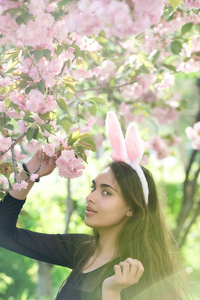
column 65, row 63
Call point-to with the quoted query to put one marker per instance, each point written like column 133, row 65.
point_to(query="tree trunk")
column 190, row 207
column 44, row 285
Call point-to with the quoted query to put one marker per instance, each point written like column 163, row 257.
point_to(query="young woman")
column 128, row 257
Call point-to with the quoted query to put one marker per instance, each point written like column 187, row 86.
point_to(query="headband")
column 129, row 150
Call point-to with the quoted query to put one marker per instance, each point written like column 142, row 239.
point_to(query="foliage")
column 55, row 79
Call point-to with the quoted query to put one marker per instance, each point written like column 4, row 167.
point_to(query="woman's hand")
column 126, row 274
column 41, row 164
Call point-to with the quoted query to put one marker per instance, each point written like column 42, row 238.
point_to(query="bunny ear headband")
column 129, row 150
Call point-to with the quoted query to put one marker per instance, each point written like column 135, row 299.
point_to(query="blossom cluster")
column 193, row 134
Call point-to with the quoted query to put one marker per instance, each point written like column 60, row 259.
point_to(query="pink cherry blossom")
column 106, row 72
column 49, row 150
column 12, row 113
column 5, row 81
column 160, row 147
column 22, row 126
column 69, row 53
column 164, row 115
column 193, row 134
column 2, row 107
column 18, row 186
column 36, row 102
column 192, row 4
column 166, row 83
column 33, row 177
column 189, row 66
column 4, row 182
column 81, row 74
column 68, row 165
column 5, row 143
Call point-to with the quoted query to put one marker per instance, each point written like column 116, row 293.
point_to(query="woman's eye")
column 106, row 193
column 92, row 189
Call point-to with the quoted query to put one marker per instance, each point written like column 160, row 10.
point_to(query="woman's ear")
column 129, row 213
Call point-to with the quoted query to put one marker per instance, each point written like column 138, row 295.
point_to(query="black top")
column 57, row 249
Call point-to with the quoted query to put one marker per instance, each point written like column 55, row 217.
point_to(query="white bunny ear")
column 116, row 137
column 134, row 144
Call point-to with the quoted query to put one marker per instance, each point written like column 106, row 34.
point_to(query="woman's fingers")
column 129, row 271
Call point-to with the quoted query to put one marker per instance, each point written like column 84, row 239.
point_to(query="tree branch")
column 13, row 144
column 14, row 164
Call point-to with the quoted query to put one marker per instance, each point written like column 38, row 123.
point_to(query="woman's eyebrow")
column 105, row 185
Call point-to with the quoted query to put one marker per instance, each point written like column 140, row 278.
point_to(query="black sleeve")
column 55, row 249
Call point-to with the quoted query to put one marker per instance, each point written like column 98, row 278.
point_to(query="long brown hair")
column 143, row 237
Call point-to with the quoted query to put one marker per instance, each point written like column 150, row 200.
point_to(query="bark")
column 190, row 207
column 69, row 206
column 44, row 285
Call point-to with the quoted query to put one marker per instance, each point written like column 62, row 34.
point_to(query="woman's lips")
column 90, row 210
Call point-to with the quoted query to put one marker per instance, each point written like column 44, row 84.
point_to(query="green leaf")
column 73, row 138
column 58, row 49
column 95, row 57
column 197, row 27
column 97, row 100
column 21, row 84
column 66, row 124
column 174, row 3
column 84, row 136
column 168, row 12
column 28, row 89
column 13, row 54
column 9, row 126
column 70, row 88
column 48, row 127
column 23, row 18
column 186, row 28
column 170, row 67
column 36, row 133
column 28, row 120
column 69, row 96
column 29, row 133
column 11, row 65
column 47, row 53
column 102, row 37
column 7, row 103
column 62, row 104
column 176, row 47
column 156, row 56
column 13, row 11
column 41, row 86
column 44, row 117
column 38, row 54
column 91, row 107
column 82, row 64
column 77, row 51
column 52, row 115
column 22, row 75
column 63, row 3
column 81, row 153
column 89, row 145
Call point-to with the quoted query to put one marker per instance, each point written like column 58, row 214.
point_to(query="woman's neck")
column 106, row 246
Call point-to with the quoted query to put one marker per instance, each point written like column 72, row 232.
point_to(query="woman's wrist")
column 108, row 294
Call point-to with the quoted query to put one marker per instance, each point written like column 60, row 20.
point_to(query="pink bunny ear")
column 116, row 137
column 134, row 144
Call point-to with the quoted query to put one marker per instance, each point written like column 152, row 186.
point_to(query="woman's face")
column 105, row 205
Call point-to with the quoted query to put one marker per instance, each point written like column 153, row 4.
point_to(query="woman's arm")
column 52, row 248
column 126, row 274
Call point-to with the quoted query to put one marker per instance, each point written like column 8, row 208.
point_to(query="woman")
column 127, row 258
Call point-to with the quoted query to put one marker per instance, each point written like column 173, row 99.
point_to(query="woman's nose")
column 91, row 197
